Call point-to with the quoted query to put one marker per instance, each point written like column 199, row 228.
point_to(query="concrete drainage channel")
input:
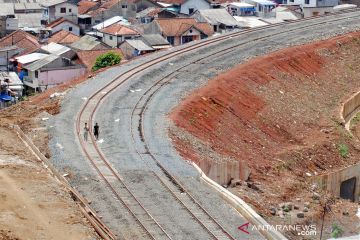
column 243, row 208
column 103, row 231
column 344, row 183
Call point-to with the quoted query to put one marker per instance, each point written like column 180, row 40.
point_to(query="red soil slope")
column 274, row 104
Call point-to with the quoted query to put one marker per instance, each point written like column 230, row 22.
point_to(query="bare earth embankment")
column 280, row 114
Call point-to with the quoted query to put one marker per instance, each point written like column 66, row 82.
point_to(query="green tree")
column 106, row 59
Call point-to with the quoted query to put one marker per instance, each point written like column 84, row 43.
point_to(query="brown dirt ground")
column 33, row 205
column 280, row 114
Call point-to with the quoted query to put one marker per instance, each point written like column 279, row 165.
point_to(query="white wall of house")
column 67, row 26
column 12, row 24
column 65, row 10
column 114, row 41
column 110, row 40
column 194, row 5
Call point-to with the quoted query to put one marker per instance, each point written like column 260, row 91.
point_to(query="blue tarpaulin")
column 5, row 97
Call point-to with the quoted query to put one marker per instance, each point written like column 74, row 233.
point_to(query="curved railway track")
column 147, row 224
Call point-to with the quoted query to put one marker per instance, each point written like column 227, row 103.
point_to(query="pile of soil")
column 280, row 113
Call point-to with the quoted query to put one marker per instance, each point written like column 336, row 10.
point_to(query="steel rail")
column 127, row 75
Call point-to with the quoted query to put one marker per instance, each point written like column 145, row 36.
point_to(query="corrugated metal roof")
column 85, row 43
column 139, row 45
column 218, row 16
column 111, row 21
column 55, row 48
column 41, row 63
column 28, row 58
column 154, row 39
column 29, row 20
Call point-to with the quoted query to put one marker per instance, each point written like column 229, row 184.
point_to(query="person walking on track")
column 86, row 132
column 96, row 131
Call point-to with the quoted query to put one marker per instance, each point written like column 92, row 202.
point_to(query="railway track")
column 146, row 223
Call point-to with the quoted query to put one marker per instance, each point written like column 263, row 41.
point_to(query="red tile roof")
column 84, row 6
column 88, row 58
column 177, row 26
column 63, row 37
column 118, row 30
column 58, row 21
column 22, row 40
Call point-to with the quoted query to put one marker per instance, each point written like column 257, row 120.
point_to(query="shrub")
column 344, row 150
column 336, row 231
column 106, row 60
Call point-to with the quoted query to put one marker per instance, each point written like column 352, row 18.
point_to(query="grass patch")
column 343, row 150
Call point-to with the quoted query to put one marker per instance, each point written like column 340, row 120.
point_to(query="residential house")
column 63, row 37
column 84, row 19
column 27, row 7
column 55, row 9
column 88, row 43
column 88, row 58
column 133, row 48
column 241, row 9
column 178, row 31
column 5, row 54
column 7, row 16
column 115, row 34
column 112, row 8
column 20, row 61
column 51, row 71
column 149, row 14
column 20, row 43
column 219, row 19
column 263, row 8
column 155, row 41
column 15, row 83
column 191, row 6
column 314, row 7
column 64, row 24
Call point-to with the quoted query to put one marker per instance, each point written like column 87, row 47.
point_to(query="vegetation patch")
column 106, row 60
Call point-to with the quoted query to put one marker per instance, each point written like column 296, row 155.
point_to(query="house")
column 25, row 7
column 178, row 31
column 191, row 6
column 64, row 24
column 133, row 48
column 8, row 21
column 15, row 83
column 54, row 9
column 88, row 57
column 24, row 42
column 88, row 43
column 263, row 8
column 149, row 14
column 241, row 9
column 155, row 41
column 219, row 19
column 63, row 37
column 114, row 34
column 51, row 71
column 314, row 7
column 5, row 54
column 19, row 62
column 30, row 22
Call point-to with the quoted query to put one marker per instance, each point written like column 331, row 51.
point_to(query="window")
column 126, row 38
column 36, row 74
column 70, row 29
column 186, row 39
column 190, row 30
column 307, row 1
column 293, row 1
column 191, row 10
column 123, row 6
column 110, row 37
column 70, row 10
column 171, row 40
column 62, row 10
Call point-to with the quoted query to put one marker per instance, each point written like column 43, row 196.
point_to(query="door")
column 347, row 189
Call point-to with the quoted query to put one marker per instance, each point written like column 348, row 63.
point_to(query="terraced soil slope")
column 280, row 114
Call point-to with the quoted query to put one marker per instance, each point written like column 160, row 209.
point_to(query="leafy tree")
column 106, row 59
